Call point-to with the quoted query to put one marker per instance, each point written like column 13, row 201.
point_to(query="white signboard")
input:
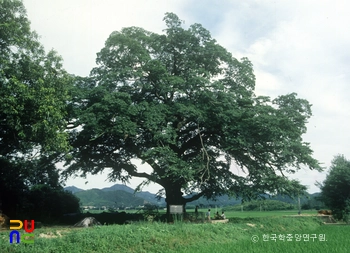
column 176, row 208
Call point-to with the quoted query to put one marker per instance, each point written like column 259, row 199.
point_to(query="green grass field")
column 250, row 232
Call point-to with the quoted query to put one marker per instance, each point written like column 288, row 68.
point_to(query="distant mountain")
column 120, row 195
column 227, row 201
column 119, row 187
column 219, row 201
column 97, row 197
column 316, row 194
column 73, row 189
column 149, row 197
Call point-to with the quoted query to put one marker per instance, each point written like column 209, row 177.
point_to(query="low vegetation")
column 249, row 234
column 265, row 205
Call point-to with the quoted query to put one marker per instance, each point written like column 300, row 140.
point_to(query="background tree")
column 314, row 202
column 182, row 104
column 54, row 201
column 335, row 190
column 33, row 95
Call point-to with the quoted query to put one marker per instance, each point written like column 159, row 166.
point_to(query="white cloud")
column 78, row 29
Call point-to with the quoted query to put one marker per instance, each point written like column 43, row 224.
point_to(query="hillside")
column 73, row 189
column 119, row 187
column 122, row 196
column 219, row 201
column 117, row 195
column 117, row 198
column 147, row 196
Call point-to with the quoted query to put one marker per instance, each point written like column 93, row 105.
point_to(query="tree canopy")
column 33, row 99
column 335, row 190
column 184, row 105
column 33, row 88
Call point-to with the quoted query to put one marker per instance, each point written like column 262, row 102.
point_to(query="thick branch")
column 131, row 171
column 195, row 197
column 155, row 166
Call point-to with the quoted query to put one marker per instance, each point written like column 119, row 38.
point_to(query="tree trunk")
column 174, row 197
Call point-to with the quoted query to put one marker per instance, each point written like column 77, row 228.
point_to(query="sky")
column 295, row 46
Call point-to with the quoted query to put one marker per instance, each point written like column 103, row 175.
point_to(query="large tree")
column 181, row 103
column 335, row 190
column 33, row 95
